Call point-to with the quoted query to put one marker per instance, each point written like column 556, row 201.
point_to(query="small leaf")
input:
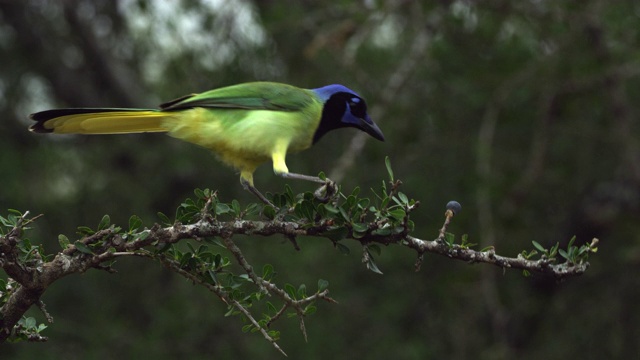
column 222, row 208
column 104, row 223
column 360, row 227
column 290, row 290
column 387, row 162
column 63, row 240
column 199, row 193
column 235, row 205
column 269, row 212
column 371, row 265
column 271, row 308
column 332, row 209
column 302, row 291
column 247, row 328
column 85, row 230
column 30, row 323
column 134, row 223
column 267, row 271
column 164, row 218
column 538, row 246
column 563, row 254
column 310, row 310
column 382, row 232
column 449, row 238
column 322, row 285
column 397, row 214
column 343, row 213
column 82, row 247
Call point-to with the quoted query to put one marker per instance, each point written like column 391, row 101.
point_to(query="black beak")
column 371, row 128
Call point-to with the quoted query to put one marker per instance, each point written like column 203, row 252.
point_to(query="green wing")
column 251, row 96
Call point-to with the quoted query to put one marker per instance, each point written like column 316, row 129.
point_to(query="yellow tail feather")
column 112, row 122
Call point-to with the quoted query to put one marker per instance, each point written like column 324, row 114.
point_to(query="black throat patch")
column 332, row 113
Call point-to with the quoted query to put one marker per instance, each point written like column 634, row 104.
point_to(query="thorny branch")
column 99, row 249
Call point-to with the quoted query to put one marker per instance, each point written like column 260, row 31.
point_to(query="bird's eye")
column 358, row 107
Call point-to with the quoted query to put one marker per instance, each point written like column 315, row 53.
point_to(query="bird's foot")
column 327, row 191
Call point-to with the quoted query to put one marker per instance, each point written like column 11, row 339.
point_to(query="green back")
column 251, row 96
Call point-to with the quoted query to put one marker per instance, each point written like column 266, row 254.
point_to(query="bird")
column 245, row 125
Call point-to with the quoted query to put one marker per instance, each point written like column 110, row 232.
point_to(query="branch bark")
column 105, row 245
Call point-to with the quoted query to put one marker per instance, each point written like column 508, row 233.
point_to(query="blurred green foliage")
column 522, row 111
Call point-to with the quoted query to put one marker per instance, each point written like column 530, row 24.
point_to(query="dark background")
column 524, row 111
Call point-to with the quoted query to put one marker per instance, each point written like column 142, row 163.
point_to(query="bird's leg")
column 280, row 168
column 248, row 186
column 328, row 186
column 316, row 179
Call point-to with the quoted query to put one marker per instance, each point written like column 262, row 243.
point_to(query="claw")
column 326, row 192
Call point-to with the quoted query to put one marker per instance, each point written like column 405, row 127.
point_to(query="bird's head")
column 344, row 108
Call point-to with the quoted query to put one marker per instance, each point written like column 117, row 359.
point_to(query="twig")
column 235, row 250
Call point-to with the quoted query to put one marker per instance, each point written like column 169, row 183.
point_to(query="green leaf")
column 267, row 271
column 382, row 232
column 343, row 213
column 403, row 198
column 302, row 291
column 364, row 203
column 247, row 328
column 80, row 246
column 538, row 246
column 387, row 163
column 85, row 230
column 360, row 227
column 104, row 223
column 397, row 214
column 252, row 209
column 271, row 308
column 290, row 290
column 199, row 193
column 212, row 276
column 164, row 218
column 134, row 223
column 222, row 208
column 449, row 238
column 307, row 209
column 332, row 209
column 322, row 285
column 142, row 235
column 29, row 323
column 289, row 194
column 269, row 212
column 63, row 240
column 564, row 254
column 235, row 205
column 310, row 310
column 371, row 265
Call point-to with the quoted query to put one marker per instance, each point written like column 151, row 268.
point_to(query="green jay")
column 245, row 125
